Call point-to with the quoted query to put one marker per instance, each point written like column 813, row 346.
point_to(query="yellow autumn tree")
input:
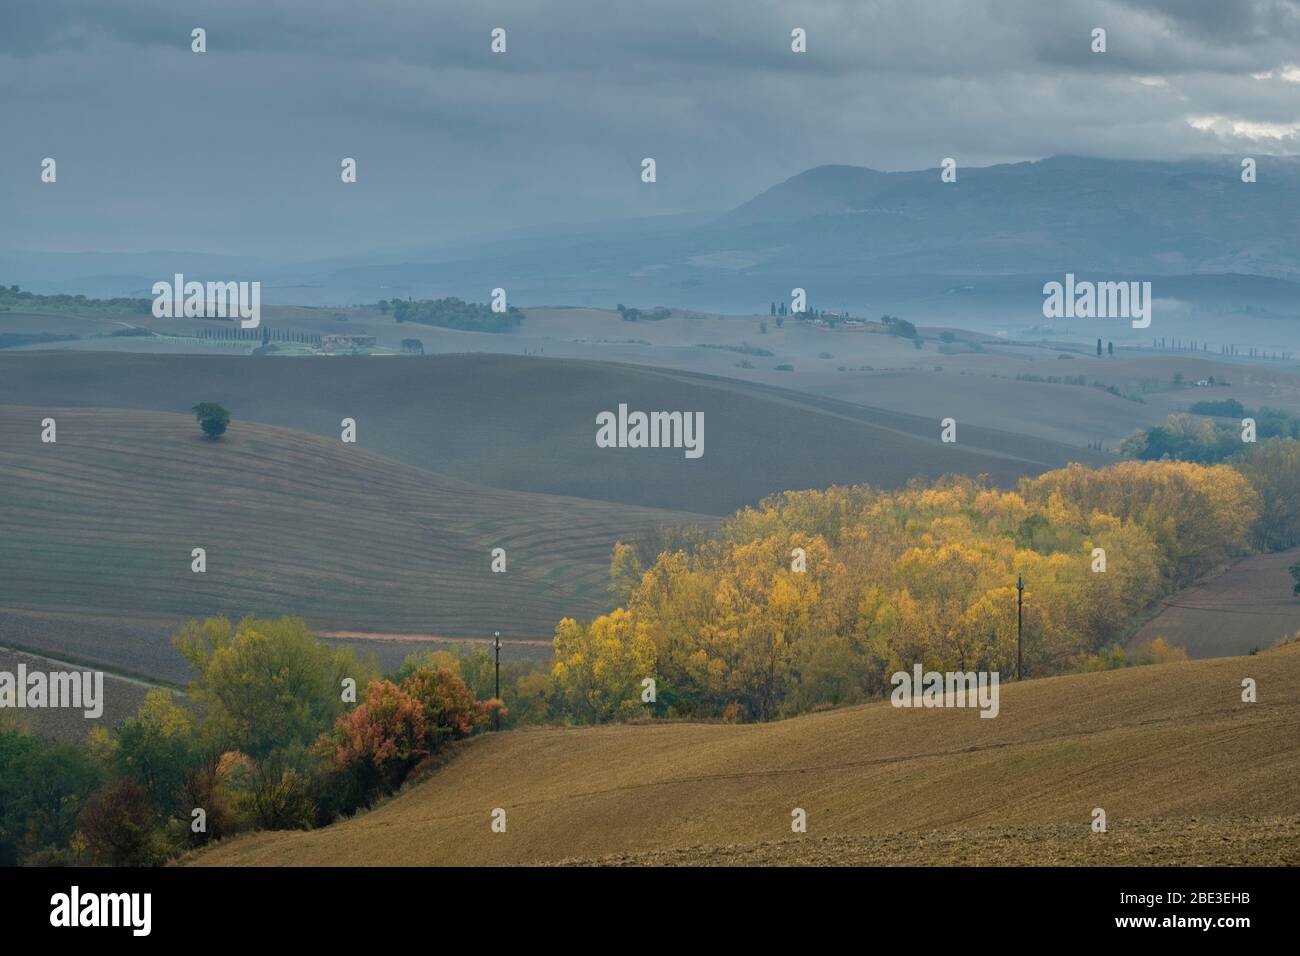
column 815, row 597
column 599, row 668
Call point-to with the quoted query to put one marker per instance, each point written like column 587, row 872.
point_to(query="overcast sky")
column 238, row 150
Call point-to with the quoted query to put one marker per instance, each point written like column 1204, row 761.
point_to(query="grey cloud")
column 238, row 151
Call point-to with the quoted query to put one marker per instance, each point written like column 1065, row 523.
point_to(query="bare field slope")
column 529, row 424
column 122, row 697
column 1247, row 606
column 105, row 520
column 1177, row 761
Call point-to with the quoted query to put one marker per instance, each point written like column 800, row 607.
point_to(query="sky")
column 237, row 150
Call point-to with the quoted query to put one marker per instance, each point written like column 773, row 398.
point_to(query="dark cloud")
column 238, row 151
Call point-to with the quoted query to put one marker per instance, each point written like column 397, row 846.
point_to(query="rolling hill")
column 529, row 424
column 105, row 519
column 973, row 251
column 1185, row 772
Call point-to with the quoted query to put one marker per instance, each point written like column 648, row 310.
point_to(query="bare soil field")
column 529, row 424
column 1246, row 607
column 122, row 697
column 104, row 521
column 1184, row 770
column 138, row 647
column 974, row 379
column 1229, row 841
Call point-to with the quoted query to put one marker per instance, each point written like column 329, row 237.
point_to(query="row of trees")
column 733, row 628
column 13, row 296
column 1194, row 437
column 280, row 731
column 453, row 313
column 810, row 599
column 657, row 314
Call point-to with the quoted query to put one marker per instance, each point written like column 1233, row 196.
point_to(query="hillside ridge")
column 1133, row 742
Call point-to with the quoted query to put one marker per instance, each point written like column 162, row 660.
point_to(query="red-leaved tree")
column 397, row 725
column 448, row 705
column 382, row 737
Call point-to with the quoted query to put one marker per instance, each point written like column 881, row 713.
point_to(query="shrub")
column 280, row 798
column 120, row 827
column 336, row 790
column 535, row 699
column 206, row 786
column 1161, row 652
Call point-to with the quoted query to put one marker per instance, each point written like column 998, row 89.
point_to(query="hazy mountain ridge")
column 853, row 236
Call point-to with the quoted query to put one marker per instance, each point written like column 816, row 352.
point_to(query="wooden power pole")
column 1020, row 604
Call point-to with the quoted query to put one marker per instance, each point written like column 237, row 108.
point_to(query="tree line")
column 453, row 313
column 11, row 296
column 279, row 731
column 806, row 600
column 1195, row 437
column 926, row 574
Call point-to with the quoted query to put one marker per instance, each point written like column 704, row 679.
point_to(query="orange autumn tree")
column 382, row 737
column 599, row 667
column 397, row 725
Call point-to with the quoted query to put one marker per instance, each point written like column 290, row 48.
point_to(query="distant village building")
column 345, row 343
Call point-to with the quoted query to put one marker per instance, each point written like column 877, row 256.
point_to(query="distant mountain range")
column 856, row 238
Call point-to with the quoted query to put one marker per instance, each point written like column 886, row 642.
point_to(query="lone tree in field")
column 212, row 418
column 1295, row 573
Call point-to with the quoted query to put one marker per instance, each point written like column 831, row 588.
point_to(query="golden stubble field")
column 1185, row 771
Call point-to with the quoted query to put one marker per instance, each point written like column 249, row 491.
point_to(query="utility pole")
column 496, row 714
column 1020, row 603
